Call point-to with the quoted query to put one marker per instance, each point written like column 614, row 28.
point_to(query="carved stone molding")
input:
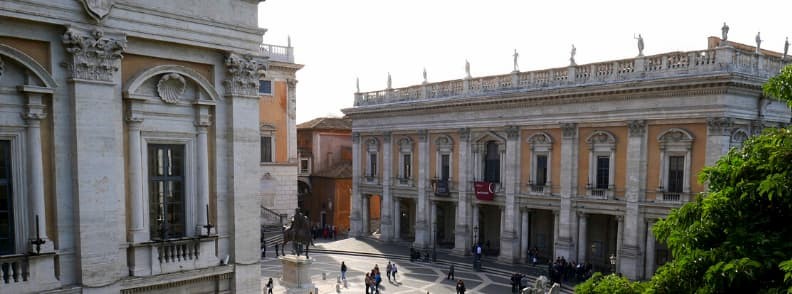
column 95, row 56
column 464, row 134
column 386, row 136
column 512, row 132
column 637, row 128
column 569, row 130
column 242, row 75
column 98, row 9
column 423, row 135
column 356, row 137
column 170, row 87
column 719, row 126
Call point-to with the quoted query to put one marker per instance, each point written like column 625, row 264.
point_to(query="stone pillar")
column 524, row 236
column 386, row 219
column 35, row 111
column 291, row 125
column 396, row 220
column 555, row 233
column 502, row 217
column 563, row 244
column 476, row 228
column 241, row 92
column 462, row 230
column 630, row 253
column 202, row 211
column 92, row 61
column 433, row 228
column 510, row 242
column 366, row 214
column 718, row 137
column 619, row 242
column 582, row 219
column 650, row 250
column 138, row 229
column 421, row 230
column 355, row 211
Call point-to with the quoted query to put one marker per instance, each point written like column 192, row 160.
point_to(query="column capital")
column 719, row 126
column 95, row 56
column 423, row 135
column 242, row 74
column 464, row 134
column 513, row 132
column 582, row 214
column 637, row 127
column 356, row 137
column 620, row 218
column 569, row 130
column 386, row 136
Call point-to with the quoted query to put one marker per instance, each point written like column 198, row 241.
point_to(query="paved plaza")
column 360, row 257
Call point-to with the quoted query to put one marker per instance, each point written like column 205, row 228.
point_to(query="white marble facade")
column 633, row 119
column 82, row 124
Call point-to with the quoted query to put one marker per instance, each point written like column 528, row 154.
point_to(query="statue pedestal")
column 296, row 275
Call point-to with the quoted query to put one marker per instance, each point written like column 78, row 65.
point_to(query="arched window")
column 675, row 160
column 602, row 151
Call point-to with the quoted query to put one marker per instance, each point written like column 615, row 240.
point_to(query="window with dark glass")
column 407, row 172
column 304, row 165
column 676, row 173
column 266, row 149
column 541, row 170
column 445, row 167
column 6, row 201
column 265, row 87
column 373, row 164
column 603, row 172
column 166, row 189
column 492, row 163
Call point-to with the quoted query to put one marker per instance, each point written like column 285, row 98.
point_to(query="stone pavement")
column 361, row 255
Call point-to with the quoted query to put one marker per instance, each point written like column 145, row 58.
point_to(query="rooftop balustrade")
column 278, row 52
column 666, row 65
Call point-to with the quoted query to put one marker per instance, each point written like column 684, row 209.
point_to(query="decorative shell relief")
column 170, row 87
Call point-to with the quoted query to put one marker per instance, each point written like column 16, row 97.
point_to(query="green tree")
column 612, row 284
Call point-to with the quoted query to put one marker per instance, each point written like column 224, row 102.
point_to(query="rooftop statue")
column 424, row 76
column 758, row 43
column 467, row 68
column 640, row 45
column 572, row 55
column 516, row 55
column 389, row 81
column 357, row 85
column 725, row 32
column 786, row 49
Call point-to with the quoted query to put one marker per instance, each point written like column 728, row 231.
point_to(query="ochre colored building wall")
column 454, row 156
column 697, row 156
column 272, row 111
column 526, row 158
column 38, row 50
column 620, row 164
column 341, row 204
column 132, row 64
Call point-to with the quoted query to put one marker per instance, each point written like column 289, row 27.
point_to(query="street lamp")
column 613, row 262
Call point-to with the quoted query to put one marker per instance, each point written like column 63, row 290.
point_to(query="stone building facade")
column 129, row 139
column 578, row 161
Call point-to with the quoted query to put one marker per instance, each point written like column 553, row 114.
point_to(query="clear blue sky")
column 343, row 39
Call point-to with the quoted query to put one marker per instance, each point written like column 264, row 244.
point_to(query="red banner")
column 484, row 190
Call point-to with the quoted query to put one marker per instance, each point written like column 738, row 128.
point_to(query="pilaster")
column 630, row 254
column 510, row 242
column 386, row 223
column 291, row 117
column 462, row 230
column 718, row 131
column 564, row 245
column 421, row 223
column 203, row 226
column 355, row 221
column 92, row 62
column 138, row 228
column 241, row 92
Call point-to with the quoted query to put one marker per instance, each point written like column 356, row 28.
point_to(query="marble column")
column 202, row 211
column 366, row 214
column 291, row 125
column 396, row 220
column 462, row 230
column 355, row 211
column 92, row 62
column 718, row 138
column 421, row 223
column 555, row 233
column 433, row 228
column 650, row 251
column 35, row 112
column 502, row 220
column 582, row 246
column 386, row 219
column 138, row 229
column 630, row 254
column 563, row 245
column 619, row 241
column 242, row 100
column 524, row 231
column 476, row 228
column 510, row 242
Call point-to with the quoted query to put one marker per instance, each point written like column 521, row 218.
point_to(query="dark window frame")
column 492, row 163
column 540, row 178
column 265, row 85
column 676, row 174
column 407, row 165
column 602, row 175
column 266, row 149
column 168, row 201
column 7, row 234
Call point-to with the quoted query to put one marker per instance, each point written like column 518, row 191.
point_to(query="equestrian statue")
column 299, row 233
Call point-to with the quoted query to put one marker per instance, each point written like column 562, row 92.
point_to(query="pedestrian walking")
column 367, row 281
column 377, row 281
column 460, row 287
column 269, row 286
column 388, row 270
column 395, row 270
column 343, row 270
column 450, row 272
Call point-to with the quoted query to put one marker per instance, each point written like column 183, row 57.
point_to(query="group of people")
column 562, row 271
column 517, row 282
column 373, row 280
column 324, row 232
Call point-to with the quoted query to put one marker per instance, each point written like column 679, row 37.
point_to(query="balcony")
column 174, row 255
column 21, row 273
column 600, row 193
column 540, row 189
column 663, row 196
column 404, row 182
column 278, row 52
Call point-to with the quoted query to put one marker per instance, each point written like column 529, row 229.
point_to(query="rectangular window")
column 6, row 201
column 373, row 164
column 166, row 191
column 676, row 173
column 445, row 167
column 304, row 166
column 265, row 87
column 541, row 170
column 603, row 172
column 266, row 149
column 407, row 172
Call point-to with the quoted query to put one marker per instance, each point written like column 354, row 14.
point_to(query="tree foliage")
column 599, row 283
column 737, row 238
